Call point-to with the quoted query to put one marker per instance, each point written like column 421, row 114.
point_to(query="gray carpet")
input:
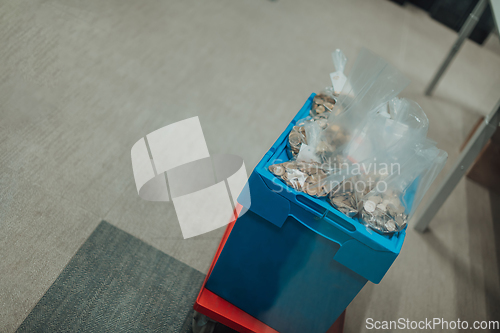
column 118, row 283
column 82, row 81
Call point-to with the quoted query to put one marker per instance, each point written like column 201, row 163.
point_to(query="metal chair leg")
column 465, row 31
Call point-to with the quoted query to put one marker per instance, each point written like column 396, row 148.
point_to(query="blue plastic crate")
column 293, row 261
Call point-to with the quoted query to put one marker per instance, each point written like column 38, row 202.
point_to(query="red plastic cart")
column 210, row 308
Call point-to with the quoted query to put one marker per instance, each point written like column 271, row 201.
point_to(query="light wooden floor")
column 82, row 81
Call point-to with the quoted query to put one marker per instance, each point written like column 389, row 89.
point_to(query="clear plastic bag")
column 322, row 106
column 408, row 112
column 426, row 179
column 378, row 138
column 403, row 126
column 304, row 171
column 371, row 82
column 324, row 102
column 338, row 77
column 306, row 131
column 378, row 143
column 388, row 207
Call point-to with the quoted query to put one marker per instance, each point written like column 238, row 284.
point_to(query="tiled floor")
column 81, row 82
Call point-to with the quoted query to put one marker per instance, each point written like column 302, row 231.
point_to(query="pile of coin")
column 383, row 212
column 343, row 197
column 307, row 177
column 321, row 108
column 322, row 105
column 332, row 139
column 297, row 137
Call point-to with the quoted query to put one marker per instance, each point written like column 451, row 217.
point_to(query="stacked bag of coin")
column 364, row 123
